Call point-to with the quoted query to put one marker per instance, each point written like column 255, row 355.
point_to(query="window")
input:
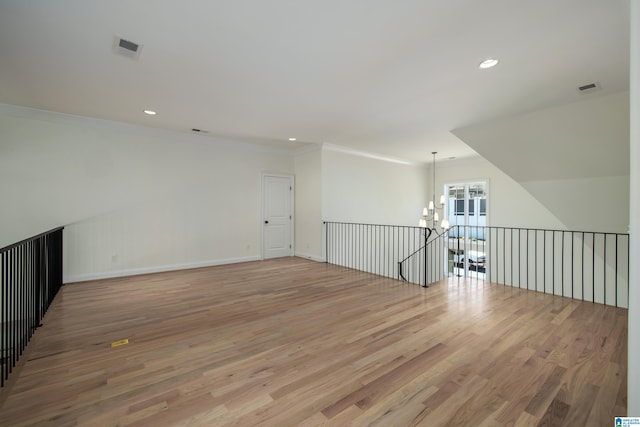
column 456, row 198
column 458, row 208
column 467, row 204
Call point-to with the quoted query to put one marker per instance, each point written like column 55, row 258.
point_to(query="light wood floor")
column 293, row 342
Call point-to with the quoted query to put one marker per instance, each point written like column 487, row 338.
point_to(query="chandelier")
column 430, row 213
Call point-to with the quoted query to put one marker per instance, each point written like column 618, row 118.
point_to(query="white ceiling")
column 392, row 77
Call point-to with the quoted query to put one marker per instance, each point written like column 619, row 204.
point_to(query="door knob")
column 266, row 222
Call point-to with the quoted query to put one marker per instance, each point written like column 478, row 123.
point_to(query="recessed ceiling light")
column 292, row 139
column 149, row 112
column 488, row 63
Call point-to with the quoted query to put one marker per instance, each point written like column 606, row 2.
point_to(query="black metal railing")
column 373, row 248
column 30, row 277
column 432, row 255
column 586, row 265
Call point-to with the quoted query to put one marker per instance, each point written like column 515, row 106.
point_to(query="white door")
column 277, row 208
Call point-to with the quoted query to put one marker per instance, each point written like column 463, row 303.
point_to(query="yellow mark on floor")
column 119, row 343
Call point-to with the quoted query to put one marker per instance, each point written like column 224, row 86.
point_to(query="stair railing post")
column 425, row 257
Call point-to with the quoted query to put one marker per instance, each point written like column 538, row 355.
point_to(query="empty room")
column 306, row 213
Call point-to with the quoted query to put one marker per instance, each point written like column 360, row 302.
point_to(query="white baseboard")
column 309, row 256
column 155, row 269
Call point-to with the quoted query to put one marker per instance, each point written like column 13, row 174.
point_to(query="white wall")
column 572, row 158
column 368, row 190
column 132, row 199
column 593, row 204
column 634, row 297
column 308, row 169
column 509, row 204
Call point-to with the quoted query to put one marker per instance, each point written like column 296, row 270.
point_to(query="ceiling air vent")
column 126, row 48
column 588, row 88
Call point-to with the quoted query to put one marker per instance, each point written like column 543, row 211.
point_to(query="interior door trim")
column 291, row 177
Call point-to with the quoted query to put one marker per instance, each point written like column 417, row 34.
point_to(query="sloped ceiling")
column 573, row 158
column 388, row 77
column 589, row 138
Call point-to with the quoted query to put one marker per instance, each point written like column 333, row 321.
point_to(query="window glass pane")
column 456, row 192
column 476, row 191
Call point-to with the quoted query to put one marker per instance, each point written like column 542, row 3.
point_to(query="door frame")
column 292, row 183
column 467, row 242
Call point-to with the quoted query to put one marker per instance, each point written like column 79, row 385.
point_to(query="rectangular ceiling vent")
column 588, row 88
column 126, row 48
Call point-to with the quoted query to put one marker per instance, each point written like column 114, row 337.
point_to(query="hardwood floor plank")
column 543, row 397
column 555, row 414
column 290, row 342
column 368, row 393
column 442, row 414
column 607, row 394
column 579, row 411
